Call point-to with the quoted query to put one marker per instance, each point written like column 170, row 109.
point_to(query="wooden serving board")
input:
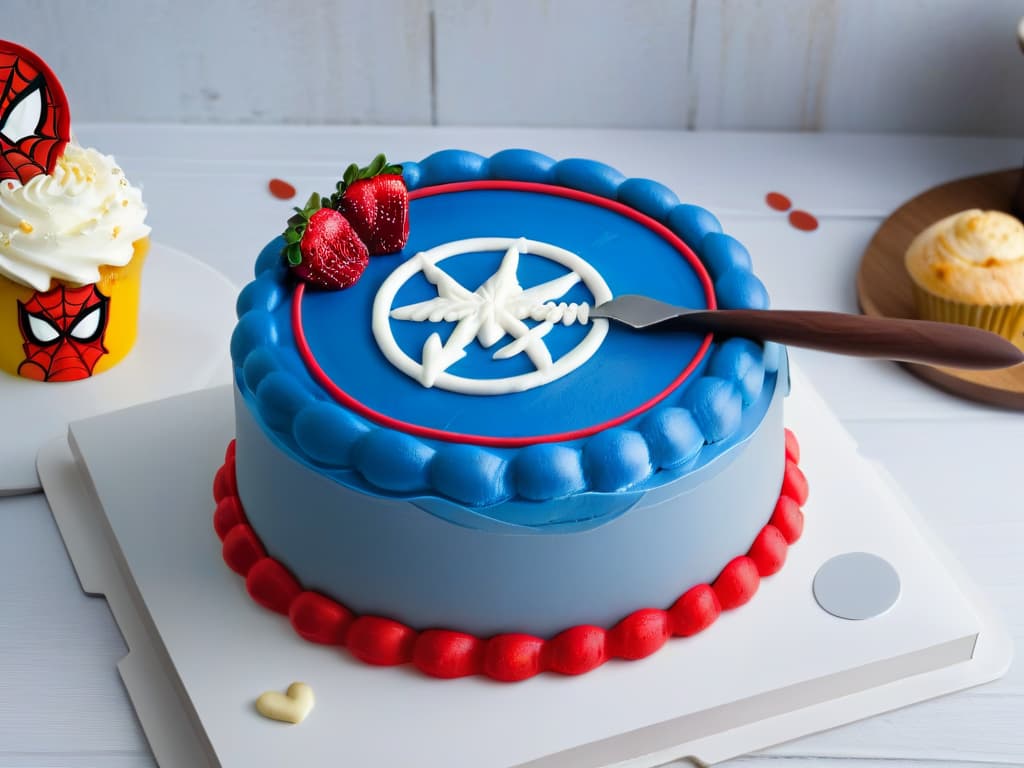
column 884, row 288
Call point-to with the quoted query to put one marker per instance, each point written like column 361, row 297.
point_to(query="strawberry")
column 374, row 199
column 322, row 248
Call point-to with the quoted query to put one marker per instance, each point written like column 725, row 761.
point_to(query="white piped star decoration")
column 490, row 313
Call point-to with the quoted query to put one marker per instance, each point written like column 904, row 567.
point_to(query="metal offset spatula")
column 914, row 341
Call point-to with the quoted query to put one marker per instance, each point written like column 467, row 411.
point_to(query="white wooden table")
column 61, row 700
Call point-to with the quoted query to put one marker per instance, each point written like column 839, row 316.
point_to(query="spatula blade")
column 638, row 311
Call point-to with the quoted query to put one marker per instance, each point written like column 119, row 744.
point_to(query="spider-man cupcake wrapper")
column 71, row 332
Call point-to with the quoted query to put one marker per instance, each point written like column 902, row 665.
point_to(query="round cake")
column 449, row 462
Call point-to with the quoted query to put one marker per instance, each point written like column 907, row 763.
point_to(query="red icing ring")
column 340, row 395
column 511, row 657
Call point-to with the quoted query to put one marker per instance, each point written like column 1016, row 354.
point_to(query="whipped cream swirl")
column 67, row 224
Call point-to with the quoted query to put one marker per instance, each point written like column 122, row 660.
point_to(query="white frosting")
column 490, row 313
column 67, row 224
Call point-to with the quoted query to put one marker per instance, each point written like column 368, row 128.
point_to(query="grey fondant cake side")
column 394, row 558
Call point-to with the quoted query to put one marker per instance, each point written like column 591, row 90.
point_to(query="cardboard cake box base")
column 136, row 515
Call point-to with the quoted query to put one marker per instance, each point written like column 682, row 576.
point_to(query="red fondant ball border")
column 507, row 657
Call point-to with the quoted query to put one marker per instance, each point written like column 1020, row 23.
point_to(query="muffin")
column 968, row 268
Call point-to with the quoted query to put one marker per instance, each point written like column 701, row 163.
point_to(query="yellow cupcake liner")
column 120, row 285
column 1005, row 319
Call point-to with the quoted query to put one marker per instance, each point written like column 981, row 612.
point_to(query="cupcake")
column 72, row 236
column 968, row 268
column 72, row 244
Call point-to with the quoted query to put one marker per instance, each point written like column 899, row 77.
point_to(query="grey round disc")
column 856, row 586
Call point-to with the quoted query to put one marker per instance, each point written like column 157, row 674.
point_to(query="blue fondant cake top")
column 592, row 429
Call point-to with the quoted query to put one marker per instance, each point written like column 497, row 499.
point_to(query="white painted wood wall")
column 937, row 66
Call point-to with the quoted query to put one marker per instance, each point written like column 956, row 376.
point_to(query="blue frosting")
column 589, row 476
column 328, row 434
column 589, row 176
column 693, row 224
column 393, row 461
column 649, row 197
column 522, row 165
column 548, row 471
column 742, row 361
column 617, row 459
column 673, row 437
column 722, row 253
column 717, row 407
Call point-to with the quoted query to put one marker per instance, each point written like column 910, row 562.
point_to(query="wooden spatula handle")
column 917, row 341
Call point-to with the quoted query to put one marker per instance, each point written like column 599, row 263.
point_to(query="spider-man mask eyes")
column 63, row 333
column 35, row 125
column 86, row 328
column 24, row 116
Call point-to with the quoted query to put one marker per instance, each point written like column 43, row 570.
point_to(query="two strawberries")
column 328, row 242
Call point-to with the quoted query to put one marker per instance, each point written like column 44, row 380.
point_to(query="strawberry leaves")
column 379, row 166
column 372, row 203
column 297, row 226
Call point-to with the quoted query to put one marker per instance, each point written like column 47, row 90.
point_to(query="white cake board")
column 136, row 518
column 185, row 322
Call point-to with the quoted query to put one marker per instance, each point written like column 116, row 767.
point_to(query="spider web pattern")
column 67, row 358
column 32, row 155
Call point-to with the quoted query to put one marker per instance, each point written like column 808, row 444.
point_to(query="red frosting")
column 788, row 519
column 508, row 657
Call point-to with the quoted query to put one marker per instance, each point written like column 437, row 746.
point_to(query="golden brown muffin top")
column 974, row 256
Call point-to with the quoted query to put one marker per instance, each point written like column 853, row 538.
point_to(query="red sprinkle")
column 803, row 220
column 281, row 189
column 778, row 201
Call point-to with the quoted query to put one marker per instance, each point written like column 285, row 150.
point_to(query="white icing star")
column 490, row 313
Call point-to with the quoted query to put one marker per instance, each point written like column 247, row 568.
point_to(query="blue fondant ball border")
column 670, row 436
